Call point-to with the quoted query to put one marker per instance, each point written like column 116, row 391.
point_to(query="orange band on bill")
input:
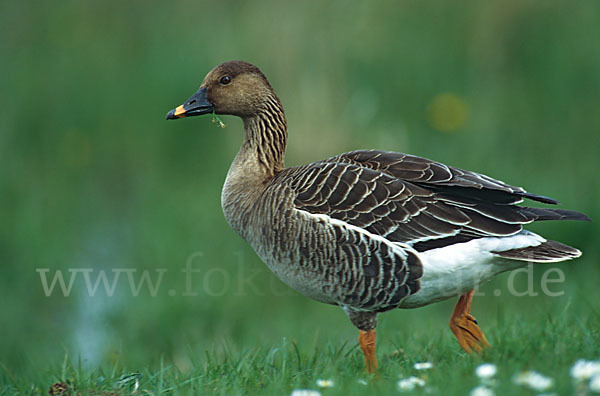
column 179, row 111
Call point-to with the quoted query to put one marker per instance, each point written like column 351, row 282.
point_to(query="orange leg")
column 366, row 339
column 464, row 326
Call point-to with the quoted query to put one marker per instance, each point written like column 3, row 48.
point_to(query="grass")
column 549, row 346
column 92, row 177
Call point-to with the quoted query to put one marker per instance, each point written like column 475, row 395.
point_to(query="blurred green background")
column 93, row 177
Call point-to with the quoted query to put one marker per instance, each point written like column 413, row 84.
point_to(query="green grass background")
column 92, row 176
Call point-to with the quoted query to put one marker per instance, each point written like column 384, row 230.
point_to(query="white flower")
column 423, row 366
column 325, row 383
column 418, row 381
column 410, row 383
column 486, row 371
column 481, row 391
column 595, row 383
column 534, row 380
column 305, row 392
column 362, row 381
column 585, row 369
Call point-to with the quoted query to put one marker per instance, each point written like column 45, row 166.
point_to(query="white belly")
column 456, row 269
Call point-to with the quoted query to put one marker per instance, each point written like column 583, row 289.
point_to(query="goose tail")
column 546, row 252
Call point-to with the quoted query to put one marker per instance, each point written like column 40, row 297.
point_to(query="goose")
column 369, row 230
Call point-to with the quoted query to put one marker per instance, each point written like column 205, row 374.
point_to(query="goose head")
column 234, row 88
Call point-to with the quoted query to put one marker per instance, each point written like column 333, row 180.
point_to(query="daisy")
column 481, row 391
column 410, row 383
column 595, row 383
column 423, row 366
column 534, row 380
column 325, row 383
column 305, row 392
column 585, row 369
column 486, row 371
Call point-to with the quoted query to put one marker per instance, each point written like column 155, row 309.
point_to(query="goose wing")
column 413, row 200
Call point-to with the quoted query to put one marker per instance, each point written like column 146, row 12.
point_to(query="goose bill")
column 196, row 105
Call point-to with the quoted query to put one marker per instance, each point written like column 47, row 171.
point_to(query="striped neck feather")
column 266, row 135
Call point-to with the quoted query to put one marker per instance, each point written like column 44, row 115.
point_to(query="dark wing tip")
column 582, row 217
column 573, row 215
column 562, row 214
column 553, row 214
column 538, row 198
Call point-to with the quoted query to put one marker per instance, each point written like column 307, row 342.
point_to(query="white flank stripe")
column 397, row 247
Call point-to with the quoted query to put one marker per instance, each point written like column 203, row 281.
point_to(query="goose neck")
column 265, row 137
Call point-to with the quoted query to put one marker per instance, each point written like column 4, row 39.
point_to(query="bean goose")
column 369, row 230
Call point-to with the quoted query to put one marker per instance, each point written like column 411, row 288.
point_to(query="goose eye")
column 225, row 80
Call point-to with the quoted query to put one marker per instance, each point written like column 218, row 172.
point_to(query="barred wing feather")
column 416, row 201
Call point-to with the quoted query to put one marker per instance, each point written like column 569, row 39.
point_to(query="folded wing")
column 416, row 201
